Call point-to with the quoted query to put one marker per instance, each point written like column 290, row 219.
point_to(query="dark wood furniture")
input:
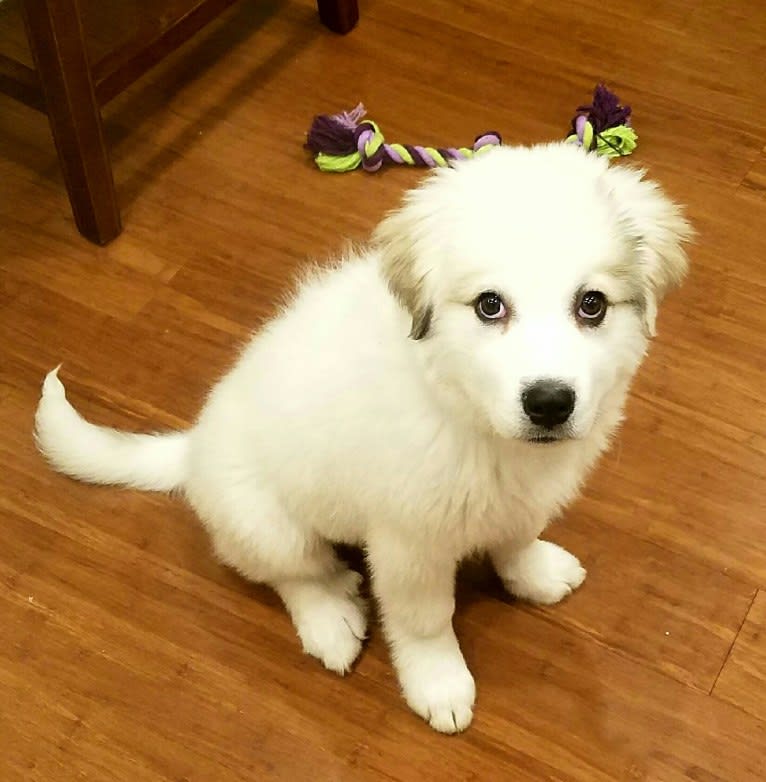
column 71, row 90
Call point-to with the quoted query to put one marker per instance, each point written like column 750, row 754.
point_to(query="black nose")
column 548, row 403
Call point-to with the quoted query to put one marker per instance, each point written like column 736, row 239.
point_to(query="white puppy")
column 441, row 393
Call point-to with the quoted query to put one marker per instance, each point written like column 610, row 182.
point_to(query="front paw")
column 543, row 573
column 437, row 684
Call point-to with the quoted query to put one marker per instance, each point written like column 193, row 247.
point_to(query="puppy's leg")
column 252, row 533
column 540, row 572
column 416, row 595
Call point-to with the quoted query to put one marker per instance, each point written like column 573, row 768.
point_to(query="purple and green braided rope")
column 346, row 141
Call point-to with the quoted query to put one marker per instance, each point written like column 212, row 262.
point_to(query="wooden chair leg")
column 340, row 16
column 58, row 47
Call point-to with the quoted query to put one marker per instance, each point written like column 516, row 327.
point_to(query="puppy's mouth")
column 549, row 436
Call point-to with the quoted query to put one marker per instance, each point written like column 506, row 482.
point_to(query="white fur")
column 335, row 426
column 98, row 454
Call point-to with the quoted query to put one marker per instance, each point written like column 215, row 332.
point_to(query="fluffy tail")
column 98, row 454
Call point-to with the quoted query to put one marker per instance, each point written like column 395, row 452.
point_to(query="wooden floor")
column 128, row 653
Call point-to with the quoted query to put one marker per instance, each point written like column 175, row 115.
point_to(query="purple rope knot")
column 603, row 113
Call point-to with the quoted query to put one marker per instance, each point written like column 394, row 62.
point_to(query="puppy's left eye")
column 489, row 306
column 591, row 308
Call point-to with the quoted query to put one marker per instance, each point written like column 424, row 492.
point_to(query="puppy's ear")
column 406, row 240
column 658, row 229
column 398, row 239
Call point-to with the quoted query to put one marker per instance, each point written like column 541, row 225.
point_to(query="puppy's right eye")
column 591, row 308
column 489, row 306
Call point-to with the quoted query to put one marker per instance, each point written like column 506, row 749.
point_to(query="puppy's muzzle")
column 548, row 403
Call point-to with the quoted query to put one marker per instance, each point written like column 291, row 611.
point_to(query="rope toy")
column 343, row 142
column 346, row 141
column 604, row 126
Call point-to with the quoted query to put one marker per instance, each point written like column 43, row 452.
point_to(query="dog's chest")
column 496, row 499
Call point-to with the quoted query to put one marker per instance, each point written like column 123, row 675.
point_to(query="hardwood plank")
column 742, row 678
column 755, row 180
column 129, row 62
column 664, row 609
column 699, row 57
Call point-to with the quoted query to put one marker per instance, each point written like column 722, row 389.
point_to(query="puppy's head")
column 532, row 277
